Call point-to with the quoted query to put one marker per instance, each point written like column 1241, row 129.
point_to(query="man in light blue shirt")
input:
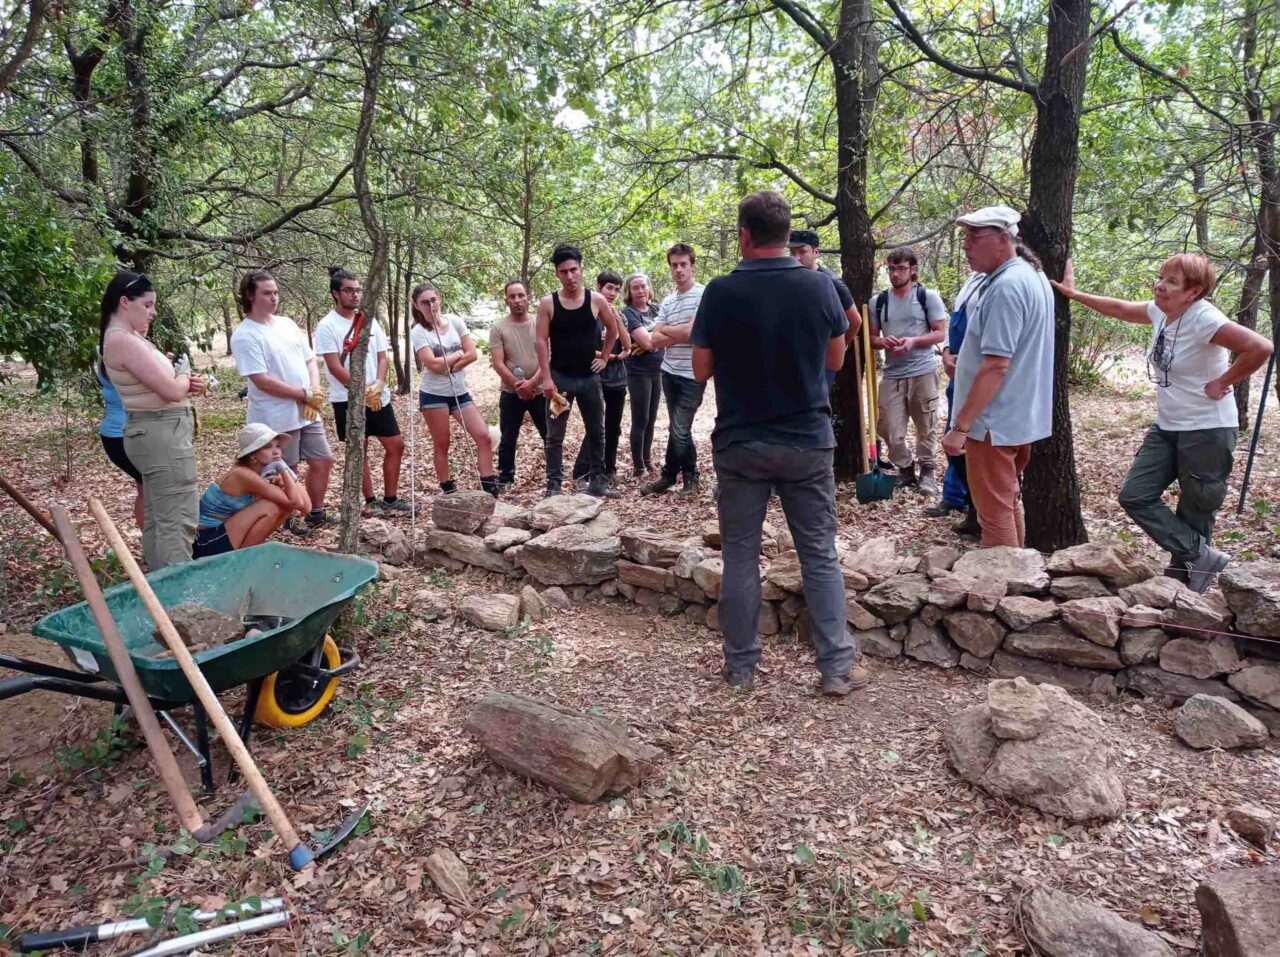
column 1004, row 373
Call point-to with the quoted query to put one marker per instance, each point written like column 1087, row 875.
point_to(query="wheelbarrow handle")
column 166, row 764
column 300, row 855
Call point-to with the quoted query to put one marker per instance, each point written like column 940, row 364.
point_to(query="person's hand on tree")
column 1068, row 284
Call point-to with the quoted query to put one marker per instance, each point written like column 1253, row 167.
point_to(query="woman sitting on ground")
column 1195, row 430
column 443, row 348
column 248, row 504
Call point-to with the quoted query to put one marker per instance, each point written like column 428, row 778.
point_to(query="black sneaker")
column 489, row 483
column 448, row 487
column 553, row 489
column 319, row 517
column 969, row 525
column 743, row 680
column 690, row 488
column 906, row 476
column 939, row 510
column 657, row 486
column 506, row 481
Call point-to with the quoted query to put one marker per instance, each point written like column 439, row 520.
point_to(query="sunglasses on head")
column 138, row 280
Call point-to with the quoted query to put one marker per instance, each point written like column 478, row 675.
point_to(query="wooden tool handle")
column 161, row 754
column 873, row 396
column 860, row 385
column 299, row 854
column 30, row 509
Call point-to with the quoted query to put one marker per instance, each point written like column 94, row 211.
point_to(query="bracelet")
column 956, row 428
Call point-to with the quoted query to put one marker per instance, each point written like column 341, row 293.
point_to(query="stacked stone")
column 1095, row 617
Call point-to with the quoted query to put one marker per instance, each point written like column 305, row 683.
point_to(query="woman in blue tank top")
column 248, row 504
column 111, row 431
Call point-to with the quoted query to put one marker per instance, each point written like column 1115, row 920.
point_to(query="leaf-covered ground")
column 778, row 822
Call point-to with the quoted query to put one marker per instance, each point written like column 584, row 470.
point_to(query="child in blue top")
column 250, row 502
column 111, row 431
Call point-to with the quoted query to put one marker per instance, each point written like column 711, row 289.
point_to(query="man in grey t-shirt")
column 1004, row 373
column 907, row 322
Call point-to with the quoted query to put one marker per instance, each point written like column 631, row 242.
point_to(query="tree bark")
column 1051, row 488
column 1247, row 315
column 373, row 52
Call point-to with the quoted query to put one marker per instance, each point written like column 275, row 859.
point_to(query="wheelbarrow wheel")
column 290, row 699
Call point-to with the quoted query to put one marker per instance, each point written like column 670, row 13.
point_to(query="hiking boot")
column 928, row 484
column 939, row 510
column 741, row 680
column 395, row 507
column 298, row 527
column 690, row 488
column 657, row 486
column 1177, row 571
column 969, row 525
column 553, row 489
column 448, row 486
column 1202, row 572
column 319, row 517
column 906, row 476
column 599, row 488
column 837, row 686
column 582, row 483
column 489, row 483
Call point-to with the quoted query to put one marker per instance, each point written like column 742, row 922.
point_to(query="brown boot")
column 837, row 686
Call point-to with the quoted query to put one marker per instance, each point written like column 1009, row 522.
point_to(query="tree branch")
column 974, row 73
column 807, row 22
column 1142, row 63
column 35, row 29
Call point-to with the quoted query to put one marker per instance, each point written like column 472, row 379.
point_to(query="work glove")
column 558, row 405
column 312, row 407
column 373, row 397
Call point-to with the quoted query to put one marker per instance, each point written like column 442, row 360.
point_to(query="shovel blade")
column 873, row 487
column 344, row 831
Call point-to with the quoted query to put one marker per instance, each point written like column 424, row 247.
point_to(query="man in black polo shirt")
column 768, row 332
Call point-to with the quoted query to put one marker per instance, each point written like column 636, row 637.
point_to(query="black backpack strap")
column 882, row 308
column 921, row 297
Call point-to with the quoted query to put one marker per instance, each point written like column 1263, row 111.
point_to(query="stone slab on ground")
column 469, row 549
column 978, row 634
column 1258, row 682
column 1256, row 825
column 644, row 546
column 1068, row 769
column 1156, row 592
column 1050, row 641
column 1008, row 665
column 1252, row 590
column 1097, row 619
column 492, row 611
column 1065, row 926
column 505, row 537
column 560, row 510
column 1207, row 721
column 581, row 755
column 1154, row 681
column 897, row 599
column 1023, row 611
column 1071, row 587
column 1238, row 911
column 1119, row 564
column 1199, row 658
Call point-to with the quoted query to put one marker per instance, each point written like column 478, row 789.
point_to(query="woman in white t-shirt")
column 443, row 348
column 1195, row 431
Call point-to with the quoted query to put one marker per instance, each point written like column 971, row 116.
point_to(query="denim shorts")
column 428, row 400
column 212, row 541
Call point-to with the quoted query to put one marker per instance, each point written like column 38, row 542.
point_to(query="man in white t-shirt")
column 284, row 387
column 336, row 337
column 682, row 391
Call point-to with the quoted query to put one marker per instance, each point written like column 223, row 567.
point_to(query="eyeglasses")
column 1160, row 358
column 357, row 291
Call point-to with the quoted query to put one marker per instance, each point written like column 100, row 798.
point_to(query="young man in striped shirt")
column 682, row 391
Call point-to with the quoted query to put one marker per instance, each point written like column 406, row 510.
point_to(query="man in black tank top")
column 567, row 342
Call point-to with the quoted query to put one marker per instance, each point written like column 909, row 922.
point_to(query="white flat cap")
column 997, row 217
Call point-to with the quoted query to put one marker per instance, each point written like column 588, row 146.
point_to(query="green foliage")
column 51, row 286
column 107, row 750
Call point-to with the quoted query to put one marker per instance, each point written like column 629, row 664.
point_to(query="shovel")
column 873, row 485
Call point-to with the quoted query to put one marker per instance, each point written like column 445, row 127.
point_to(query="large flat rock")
column 1022, row 568
column 1252, row 591
column 571, row 555
column 1240, row 913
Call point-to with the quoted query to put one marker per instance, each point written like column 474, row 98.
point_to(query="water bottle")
column 518, row 373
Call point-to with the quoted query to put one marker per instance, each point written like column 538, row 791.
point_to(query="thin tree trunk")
column 227, row 327
column 353, row 467
column 1247, row 316
column 406, row 384
column 853, row 61
column 1051, row 488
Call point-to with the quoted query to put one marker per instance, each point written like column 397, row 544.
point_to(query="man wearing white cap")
column 1004, row 373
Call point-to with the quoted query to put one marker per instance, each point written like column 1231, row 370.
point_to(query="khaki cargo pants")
column 911, row 399
column 160, row 445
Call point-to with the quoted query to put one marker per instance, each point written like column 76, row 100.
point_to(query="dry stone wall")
column 1095, row 617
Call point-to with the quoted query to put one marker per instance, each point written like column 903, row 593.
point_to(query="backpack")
column 882, row 305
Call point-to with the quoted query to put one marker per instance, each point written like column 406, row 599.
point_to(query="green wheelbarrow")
column 290, row 664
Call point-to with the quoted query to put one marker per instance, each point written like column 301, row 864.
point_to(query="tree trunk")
column 1247, row 316
column 857, row 83
column 227, row 327
column 353, row 466
column 1051, row 488
column 582, row 755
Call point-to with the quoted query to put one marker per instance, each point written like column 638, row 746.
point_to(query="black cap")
column 804, row 237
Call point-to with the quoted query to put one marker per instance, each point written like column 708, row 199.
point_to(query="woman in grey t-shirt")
column 644, row 369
